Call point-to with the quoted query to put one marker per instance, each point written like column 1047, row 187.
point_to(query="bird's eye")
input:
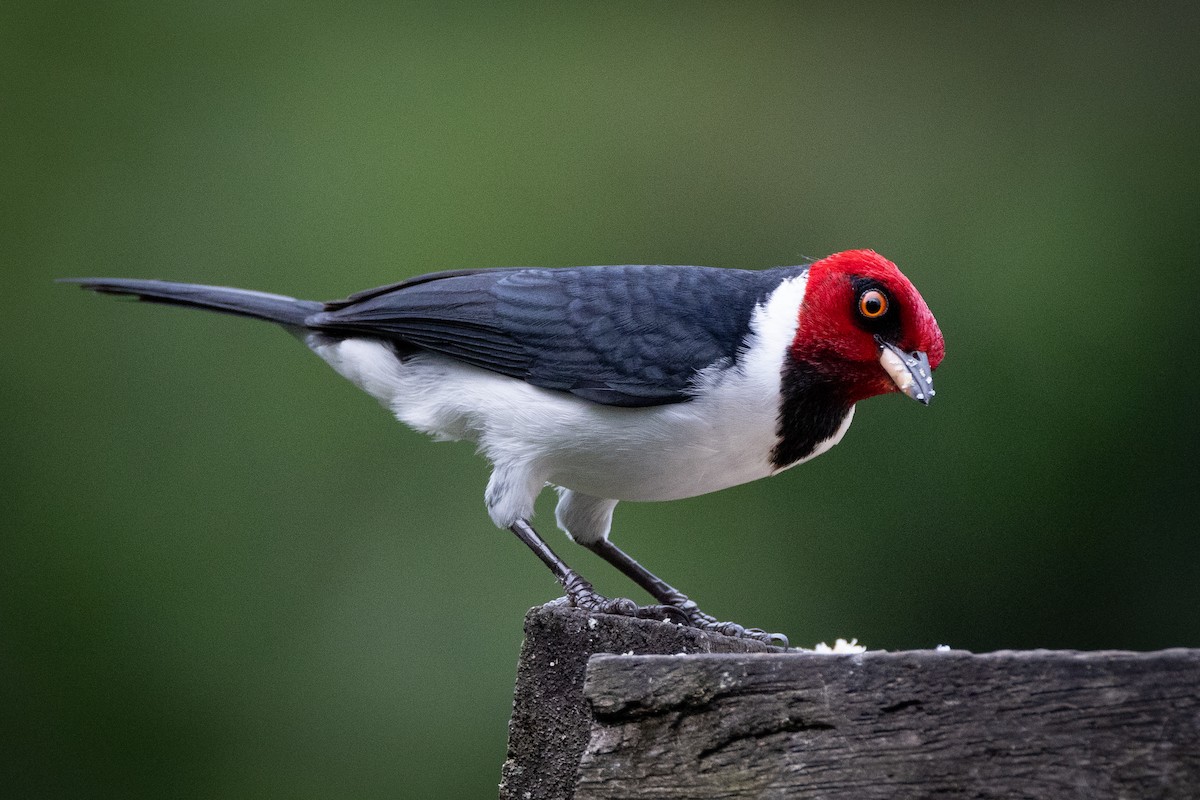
column 872, row 304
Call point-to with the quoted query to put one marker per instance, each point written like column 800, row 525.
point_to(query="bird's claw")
column 583, row 595
column 590, row 600
column 773, row 639
column 698, row 619
column 679, row 609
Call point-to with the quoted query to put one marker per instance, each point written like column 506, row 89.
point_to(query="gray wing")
column 623, row 336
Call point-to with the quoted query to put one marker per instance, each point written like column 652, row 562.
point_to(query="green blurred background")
column 225, row 572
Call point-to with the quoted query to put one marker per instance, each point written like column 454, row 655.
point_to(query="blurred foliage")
column 224, row 572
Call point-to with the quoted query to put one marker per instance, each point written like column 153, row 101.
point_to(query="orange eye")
column 872, row 304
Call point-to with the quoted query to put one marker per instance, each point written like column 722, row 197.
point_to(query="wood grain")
column 1030, row 724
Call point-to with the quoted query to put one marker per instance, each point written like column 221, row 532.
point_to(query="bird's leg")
column 667, row 594
column 580, row 591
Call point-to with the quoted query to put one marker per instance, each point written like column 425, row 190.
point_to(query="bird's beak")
column 909, row 371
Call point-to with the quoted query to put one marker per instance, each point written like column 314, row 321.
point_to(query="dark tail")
column 243, row 302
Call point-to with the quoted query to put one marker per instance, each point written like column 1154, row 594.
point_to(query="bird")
column 610, row 383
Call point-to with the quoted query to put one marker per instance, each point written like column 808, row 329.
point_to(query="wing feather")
column 624, row 336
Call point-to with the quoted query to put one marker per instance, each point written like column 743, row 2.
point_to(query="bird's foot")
column 706, row 622
column 680, row 609
column 583, row 595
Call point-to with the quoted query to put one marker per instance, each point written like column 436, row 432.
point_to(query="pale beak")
column 909, row 371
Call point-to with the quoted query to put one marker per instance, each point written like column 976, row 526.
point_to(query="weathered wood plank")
column 1033, row 724
column 551, row 722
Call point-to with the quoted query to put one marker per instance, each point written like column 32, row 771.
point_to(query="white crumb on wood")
column 841, row 647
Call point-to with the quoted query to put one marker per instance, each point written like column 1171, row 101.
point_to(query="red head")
column 864, row 326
